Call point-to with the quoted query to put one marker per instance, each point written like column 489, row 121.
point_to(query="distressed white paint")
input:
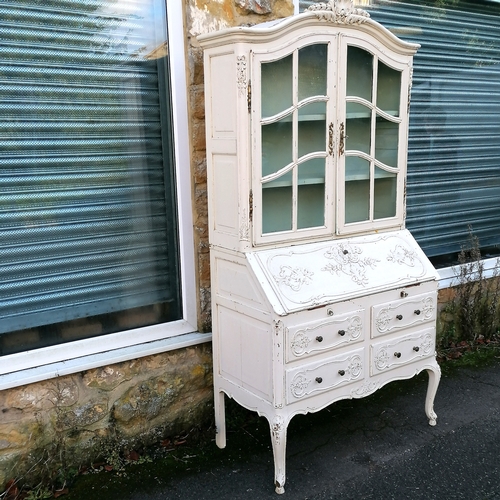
column 304, row 318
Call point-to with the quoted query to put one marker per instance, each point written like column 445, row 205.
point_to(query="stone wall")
column 71, row 420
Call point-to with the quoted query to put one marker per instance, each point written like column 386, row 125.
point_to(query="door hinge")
column 249, row 95
column 250, row 206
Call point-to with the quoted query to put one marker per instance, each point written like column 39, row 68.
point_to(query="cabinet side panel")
column 245, row 347
column 223, row 95
column 233, row 282
column 225, row 188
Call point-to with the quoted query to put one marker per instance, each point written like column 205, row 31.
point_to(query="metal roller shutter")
column 87, row 217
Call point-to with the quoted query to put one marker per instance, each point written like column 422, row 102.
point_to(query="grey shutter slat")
column 453, row 174
column 85, row 221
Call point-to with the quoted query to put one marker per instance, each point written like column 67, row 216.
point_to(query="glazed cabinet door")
column 373, row 101
column 292, row 112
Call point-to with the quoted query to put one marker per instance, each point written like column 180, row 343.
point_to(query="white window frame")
column 41, row 364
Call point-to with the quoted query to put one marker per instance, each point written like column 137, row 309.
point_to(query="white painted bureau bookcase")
column 319, row 292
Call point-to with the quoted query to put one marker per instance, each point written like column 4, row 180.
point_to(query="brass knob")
column 345, row 252
column 319, row 338
column 416, row 348
column 399, row 316
column 397, row 354
column 417, row 311
column 341, row 333
column 341, row 373
column 319, row 380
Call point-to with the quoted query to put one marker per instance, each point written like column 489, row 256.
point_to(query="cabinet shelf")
column 301, row 182
column 312, row 117
column 367, row 114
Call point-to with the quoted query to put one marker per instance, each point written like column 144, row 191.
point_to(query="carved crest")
column 340, row 12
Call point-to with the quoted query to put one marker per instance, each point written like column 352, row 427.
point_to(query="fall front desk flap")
column 314, row 274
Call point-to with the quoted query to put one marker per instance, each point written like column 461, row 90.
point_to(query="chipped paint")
column 203, row 21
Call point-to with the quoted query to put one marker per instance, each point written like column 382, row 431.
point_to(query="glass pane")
column 312, row 128
column 357, row 189
column 388, row 89
column 311, row 194
column 276, row 86
column 312, row 70
column 276, row 208
column 87, row 185
column 385, row 194
column 355, row 110
column 386, row 142
column 358, row 132
column 359, row 73
column 276, row 145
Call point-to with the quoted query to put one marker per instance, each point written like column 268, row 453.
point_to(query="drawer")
column 325, row 334
column 315, row 378
column 402, row 350
column 403, row 313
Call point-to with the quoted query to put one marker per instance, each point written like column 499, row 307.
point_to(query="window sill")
column 60, row 368
column 449, row 276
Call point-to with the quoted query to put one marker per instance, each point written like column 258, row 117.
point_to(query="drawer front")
column 315, row 378
column 401, row 351
column 399, row 314
column 322, row 335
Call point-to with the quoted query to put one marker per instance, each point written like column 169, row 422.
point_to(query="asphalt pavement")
column 379, row 447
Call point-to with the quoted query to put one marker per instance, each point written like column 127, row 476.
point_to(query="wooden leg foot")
column 434, row 378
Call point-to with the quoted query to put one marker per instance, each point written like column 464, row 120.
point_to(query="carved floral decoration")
column 300, row 343
column 294, row 277
column 277, row 428
column 348, row 260
column 241, row 66
column 299, row 385
column 383, row 320
column 403, row 256
column 428, row 308
column 340, row 12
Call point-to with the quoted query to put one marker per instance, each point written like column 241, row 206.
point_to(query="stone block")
column 254, row 6
column 108, row 378
column 83, row 415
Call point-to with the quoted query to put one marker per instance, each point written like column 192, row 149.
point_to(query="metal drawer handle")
column 341, row 333
column 329, row 312
column 319, row 338
column 397, row 354
column 416, row 348
column 319, row 380
column 404, row 294
column 341, row 373
column 417, row 311
column 399, row 316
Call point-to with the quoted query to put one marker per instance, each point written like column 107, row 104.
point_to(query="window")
column 89, row 194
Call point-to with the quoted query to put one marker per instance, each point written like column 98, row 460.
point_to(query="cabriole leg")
column 278, row 437
column 220, row 419
column 434, row 378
